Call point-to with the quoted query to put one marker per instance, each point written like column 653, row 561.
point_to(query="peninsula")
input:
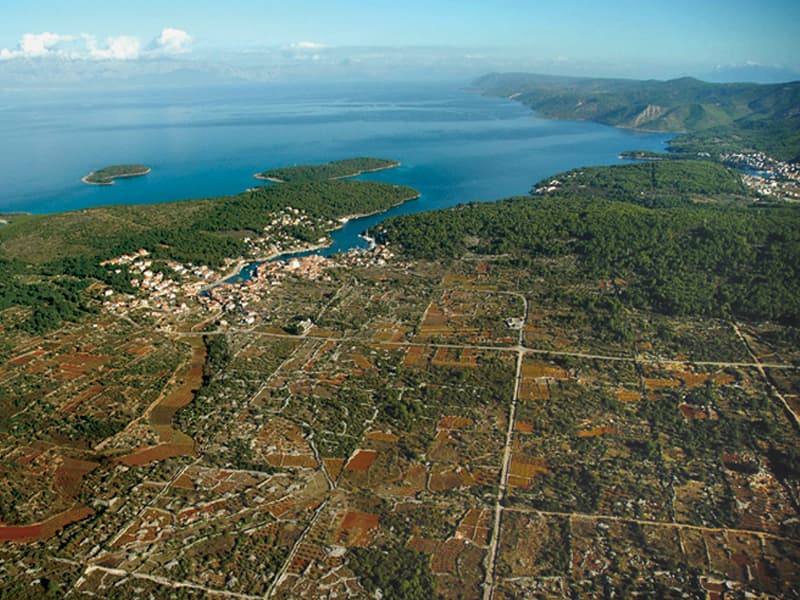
column 337, row 169
column 709, row 117
column 107, row 175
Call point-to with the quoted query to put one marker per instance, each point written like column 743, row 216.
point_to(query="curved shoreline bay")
column 454, row 145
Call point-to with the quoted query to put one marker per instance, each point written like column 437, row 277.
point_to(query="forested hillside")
column 48, row 261
column 689, row 260
column 716, row 117
column 337, row 169
column 662, row 183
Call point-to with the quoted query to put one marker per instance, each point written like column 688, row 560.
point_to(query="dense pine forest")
column 636, row 223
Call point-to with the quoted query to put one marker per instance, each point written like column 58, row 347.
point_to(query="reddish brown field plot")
column 382, row 436
column 523, row 426
column 597, row 431
column 362, row 362
column 448, row 357
column 475, row 526
column 69, row 474
column 357, row 529
column 334, row 466
column 445, row 557
column 389, row 332
column 417, row 356
column 151, row 454
column 524, row 469
column 626, row 395
column 87, row 394
column 76, row 364
column 534, row 390
column 174, row 443
column 361, row 460
column 452, row 423
column 44, row 530
column 658, row 383
column 413, row 482
column 450, row 478
column 532, row 369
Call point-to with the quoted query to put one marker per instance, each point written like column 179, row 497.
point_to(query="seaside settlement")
column 166, row 288
column 765, row 175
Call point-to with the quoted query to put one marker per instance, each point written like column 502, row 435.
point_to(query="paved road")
column 491, row 557
column 760, row 366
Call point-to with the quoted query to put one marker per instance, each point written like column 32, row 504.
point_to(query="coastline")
column 270, row 179
column 9, row 217
column 516, row 98
column 344, row 220
column 85, row 178
column 243, row 263
column 394, row 165
column 240, row 264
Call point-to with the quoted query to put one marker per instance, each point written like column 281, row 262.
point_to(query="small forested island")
column 337, row 169
column 107, row 175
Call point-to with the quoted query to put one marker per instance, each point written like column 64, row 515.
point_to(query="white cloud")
column 171, row 41
column 121, row 47
column 307, row 46
column 86, row 47
column 33, row 45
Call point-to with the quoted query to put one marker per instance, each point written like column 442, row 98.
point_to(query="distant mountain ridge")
column 741, row 115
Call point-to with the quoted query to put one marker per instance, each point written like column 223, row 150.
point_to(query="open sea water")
column 455, row 145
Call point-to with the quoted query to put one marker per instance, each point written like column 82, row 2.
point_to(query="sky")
column 641, row 38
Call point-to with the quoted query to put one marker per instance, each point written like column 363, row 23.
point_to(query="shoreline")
column 394, row 165
column 270, row 179
column 241, row 264
column 9, row 217
column 515, row 98
column 85, row 178
column 347, row 218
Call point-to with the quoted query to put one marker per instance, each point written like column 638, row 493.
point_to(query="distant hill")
column 716, row 117
column 751, row 74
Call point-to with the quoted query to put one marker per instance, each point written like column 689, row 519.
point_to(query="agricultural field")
column 466, row 429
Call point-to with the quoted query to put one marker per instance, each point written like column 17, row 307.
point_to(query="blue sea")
column 455, row 145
